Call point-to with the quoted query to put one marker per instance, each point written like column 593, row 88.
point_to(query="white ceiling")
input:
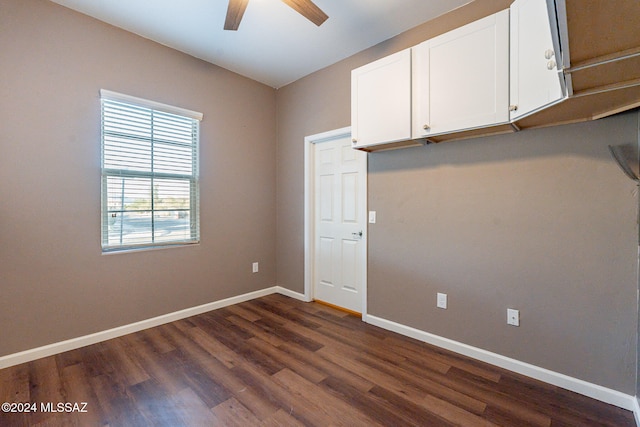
column 274, row 44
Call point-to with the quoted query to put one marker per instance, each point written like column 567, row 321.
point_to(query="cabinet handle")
column 426, row 127
column 551, row 65
column 548, row 54
column 513, row 108
column 354, row 140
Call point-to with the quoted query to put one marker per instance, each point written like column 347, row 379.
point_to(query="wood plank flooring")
column 276, row 361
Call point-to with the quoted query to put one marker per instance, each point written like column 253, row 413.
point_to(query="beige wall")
column 54, row 282
column 542, row 221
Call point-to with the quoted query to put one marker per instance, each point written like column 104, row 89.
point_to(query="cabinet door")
column 536, row 81
column 381, row 101
column 420, row 105
column 462, row 78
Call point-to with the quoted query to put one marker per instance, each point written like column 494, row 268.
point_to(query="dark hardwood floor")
column 276, row 361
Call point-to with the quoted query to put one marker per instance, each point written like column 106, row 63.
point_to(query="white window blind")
column 150, row 194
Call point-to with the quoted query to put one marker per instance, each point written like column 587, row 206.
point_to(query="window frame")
column 193, row 178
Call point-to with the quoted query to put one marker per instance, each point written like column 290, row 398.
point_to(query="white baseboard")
column 585, row 388
column 579, row 386
column 72, row 344
column 292, row 294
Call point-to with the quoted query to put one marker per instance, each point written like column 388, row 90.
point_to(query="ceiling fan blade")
column 234, row 14
column 309, row 10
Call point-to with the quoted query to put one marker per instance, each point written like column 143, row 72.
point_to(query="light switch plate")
column 372, row 217
column 442, row 301
column 255, row 267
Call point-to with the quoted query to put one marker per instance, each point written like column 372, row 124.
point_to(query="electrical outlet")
column 441, row 300
column 513, row 317
column 255, row 267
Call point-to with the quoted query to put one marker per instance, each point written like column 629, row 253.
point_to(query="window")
column 149, row 173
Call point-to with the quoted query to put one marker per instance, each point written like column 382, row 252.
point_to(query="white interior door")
column 340, row 192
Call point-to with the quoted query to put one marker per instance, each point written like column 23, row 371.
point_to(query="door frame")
column 309, row 213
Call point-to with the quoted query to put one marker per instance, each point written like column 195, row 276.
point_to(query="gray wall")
column 321, row 102
column 542, row 221
column 54, row 282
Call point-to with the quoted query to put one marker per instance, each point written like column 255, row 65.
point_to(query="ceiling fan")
column 306, row 8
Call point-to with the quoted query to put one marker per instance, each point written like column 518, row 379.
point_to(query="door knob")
column 357, row 235
column 548, row 54
column 551, row 65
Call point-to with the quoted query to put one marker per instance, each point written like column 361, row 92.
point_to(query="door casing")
column 309, row 214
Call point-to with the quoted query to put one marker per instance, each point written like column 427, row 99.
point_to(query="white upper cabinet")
column 461, row 78
column 536, row 81
column 484, row 75
column 381, row 101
